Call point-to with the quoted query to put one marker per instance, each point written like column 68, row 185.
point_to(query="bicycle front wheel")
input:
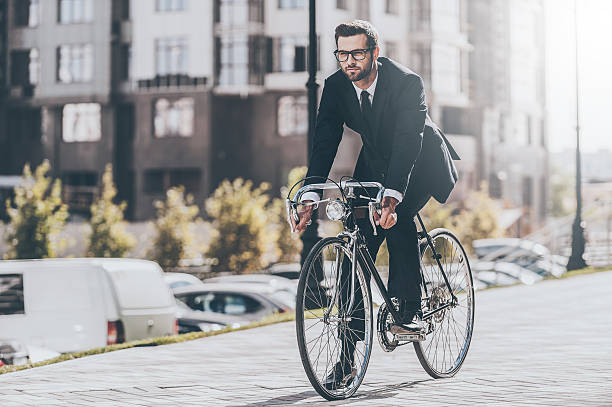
column 333, row 332
column 449, row 323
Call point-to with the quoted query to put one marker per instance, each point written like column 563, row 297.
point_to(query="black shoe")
column 412, row 327
column 410, row 319
column 341, row 376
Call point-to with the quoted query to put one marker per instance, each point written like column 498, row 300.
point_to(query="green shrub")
column 108, row 237
column 243, row 229
column 173, row 236
column 37, row 215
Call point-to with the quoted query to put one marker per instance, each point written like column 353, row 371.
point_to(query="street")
column 546, row 344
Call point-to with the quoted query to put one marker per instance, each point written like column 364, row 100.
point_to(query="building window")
column 125, row 61
column 290, row 3
column 25, row 67
column 292, row 54
column 170, row 5
column 341, row 5
column 171, row 56
column 543, row 197
column 26, row 13
column 420, row 15
column 234, row 60
column 81, row 122
column 527, row 191
column 287, row 54
column 447, row 15
column 502, row 128
column 446, row 69
column 11, row 294
column 256, row 11
column 421, row 55
column 391, row 7
column 157, row 181
column 529, row 131
column 173, row 118
column 292, row 115
column 75, row 11
column 495, row 185
column 75, row 63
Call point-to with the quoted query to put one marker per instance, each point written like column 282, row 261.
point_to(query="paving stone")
column 522, row 353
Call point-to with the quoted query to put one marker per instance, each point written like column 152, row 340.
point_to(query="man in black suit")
column 384, row 102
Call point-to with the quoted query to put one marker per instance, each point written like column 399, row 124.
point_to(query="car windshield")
column 223, row 303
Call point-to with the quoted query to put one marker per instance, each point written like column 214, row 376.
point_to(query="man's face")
column 354, row 69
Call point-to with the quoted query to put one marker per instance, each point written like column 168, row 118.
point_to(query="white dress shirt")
column 313, row 196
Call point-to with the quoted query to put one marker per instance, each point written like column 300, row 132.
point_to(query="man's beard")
column 363, row 74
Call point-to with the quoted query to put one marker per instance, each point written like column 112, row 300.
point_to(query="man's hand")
column 304, row 214
column 388, row 217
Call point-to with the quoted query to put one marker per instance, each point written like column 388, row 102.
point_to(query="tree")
column 243, row 232
column 173, row 236
column 289, row 244
column 108, row 237
column 37, row 215
column 479, row 221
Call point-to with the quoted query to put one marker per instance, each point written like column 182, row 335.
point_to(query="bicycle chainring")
column 383, row 325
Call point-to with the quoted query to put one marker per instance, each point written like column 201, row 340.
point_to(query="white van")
column 69, row 305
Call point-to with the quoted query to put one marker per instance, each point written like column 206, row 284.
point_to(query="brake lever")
column 374, row 207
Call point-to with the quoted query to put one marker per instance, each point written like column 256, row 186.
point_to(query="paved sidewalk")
column 548, row 344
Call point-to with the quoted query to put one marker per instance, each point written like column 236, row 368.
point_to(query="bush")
column 479, row 221
column 243, row 232
column 37, row 215
column 108, row 237
column 173, row 236
column 289, row 244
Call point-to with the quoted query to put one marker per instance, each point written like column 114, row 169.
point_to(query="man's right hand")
column 305, row 213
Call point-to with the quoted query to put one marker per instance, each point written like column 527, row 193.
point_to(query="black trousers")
column 404, row 263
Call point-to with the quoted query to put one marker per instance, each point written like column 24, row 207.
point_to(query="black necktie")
column 366, row 108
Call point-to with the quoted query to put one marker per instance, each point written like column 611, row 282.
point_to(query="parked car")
column 516, row 272
column 273, row 281
column 522, row 252
column 287, row 270
column 176, row 280
column 190, row 320
column 249, row 301
column 12, row 352
column 68, row 305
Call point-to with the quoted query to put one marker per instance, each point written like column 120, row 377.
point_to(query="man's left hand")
column 388, row 217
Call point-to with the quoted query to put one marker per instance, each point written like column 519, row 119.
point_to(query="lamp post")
column 311, row 234
column 576, row 260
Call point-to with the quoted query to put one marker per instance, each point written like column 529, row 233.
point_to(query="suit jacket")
column 401, row 140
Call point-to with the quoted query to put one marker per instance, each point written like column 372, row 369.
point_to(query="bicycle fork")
column 338, row 285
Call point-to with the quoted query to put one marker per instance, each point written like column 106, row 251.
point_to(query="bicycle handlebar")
column 373, row 204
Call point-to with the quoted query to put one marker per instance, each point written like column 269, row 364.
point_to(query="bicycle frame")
column 358, row 247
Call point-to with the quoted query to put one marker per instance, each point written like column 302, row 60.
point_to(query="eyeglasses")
column 358, row 54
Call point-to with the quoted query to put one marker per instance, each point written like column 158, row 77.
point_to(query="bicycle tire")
column 308, row 318
column 446, row 362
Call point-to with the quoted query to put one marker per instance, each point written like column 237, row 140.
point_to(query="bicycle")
column 334, row 295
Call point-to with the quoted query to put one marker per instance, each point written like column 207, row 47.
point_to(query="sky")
column 595, row 74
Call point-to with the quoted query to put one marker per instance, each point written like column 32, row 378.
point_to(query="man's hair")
column 357, row 27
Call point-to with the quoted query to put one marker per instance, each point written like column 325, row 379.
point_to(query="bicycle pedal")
column 410, row 337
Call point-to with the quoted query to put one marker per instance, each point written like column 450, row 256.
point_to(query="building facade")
column 508, row 83
column 186, row 92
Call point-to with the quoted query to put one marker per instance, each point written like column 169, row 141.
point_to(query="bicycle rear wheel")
column 449, row 331
column 325, row 325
